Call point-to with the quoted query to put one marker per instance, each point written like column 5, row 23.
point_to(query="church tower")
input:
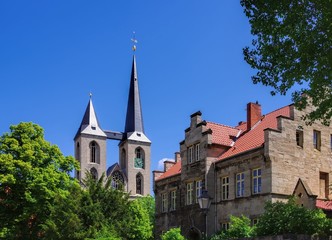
column 90, row 145
column 134, row 148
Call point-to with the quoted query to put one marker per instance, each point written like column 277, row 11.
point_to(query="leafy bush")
column 173, row 234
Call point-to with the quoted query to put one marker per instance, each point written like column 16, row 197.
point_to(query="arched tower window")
column 117, row 180
column 139, row 184
column 78, row 151
column 94, row 152
column 139, row 158
column 94, row 173
column 123, row 159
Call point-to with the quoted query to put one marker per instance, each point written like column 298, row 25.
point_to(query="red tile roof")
column 255, row 137
column 222, row 134
column 325, row 205
column 247, row 140
column 174, row 170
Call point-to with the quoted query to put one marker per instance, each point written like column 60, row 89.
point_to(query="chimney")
column 157, row 174
column 254, row 114
column 195, row 118
column 177, row 157
column 168, row 164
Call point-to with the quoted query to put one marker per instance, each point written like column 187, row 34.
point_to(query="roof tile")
column 247, row 140
column 174, row 170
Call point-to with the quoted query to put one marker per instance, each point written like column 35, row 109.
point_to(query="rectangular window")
column 224, row 188
column 323, row 185
column 257, row 180
column 190, row 193
column 225, row 226
column 164, row 202
column 173, row 200
column 240, row 185
column 190, row 154
column 299, row 138
column 199, row 185
column 316, row 139
column 197, row 152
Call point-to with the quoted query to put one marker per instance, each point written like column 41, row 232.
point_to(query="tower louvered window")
column 139, row 187
column 94, row 152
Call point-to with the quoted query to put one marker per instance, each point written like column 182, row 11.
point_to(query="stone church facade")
column 267, row 158
column 132, row 171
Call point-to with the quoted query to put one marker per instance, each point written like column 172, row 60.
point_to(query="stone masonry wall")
column 290, row 162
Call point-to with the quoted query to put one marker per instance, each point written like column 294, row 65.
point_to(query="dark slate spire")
column 134, row 118
column 90, row 124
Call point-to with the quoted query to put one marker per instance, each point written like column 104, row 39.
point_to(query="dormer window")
column 93, row 126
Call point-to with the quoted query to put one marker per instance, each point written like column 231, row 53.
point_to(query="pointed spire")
column 90, row 124
column 134, row 118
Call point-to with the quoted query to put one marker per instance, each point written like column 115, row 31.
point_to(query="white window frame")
column 190, row 154
column 173, row 200
column 224, row 188
column 197, row 152
column 240, row 184
column 189, row 199
column 257, row 180
column 164, row 202
column 199, row 188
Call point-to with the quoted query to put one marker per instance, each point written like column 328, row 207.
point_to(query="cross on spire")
column 134, row 40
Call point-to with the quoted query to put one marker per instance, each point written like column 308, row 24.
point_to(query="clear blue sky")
column 189, row 58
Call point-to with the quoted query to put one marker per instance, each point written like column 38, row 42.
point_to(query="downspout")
column 215, row 197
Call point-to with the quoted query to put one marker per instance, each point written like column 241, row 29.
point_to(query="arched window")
column 139, row 158
column 94, row 173
column 139, row 184
column 123, row 158
column 117, row 180
column 78, row 151
column 94, row 152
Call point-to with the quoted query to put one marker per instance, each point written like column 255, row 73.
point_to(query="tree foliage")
column 284, row 218
column 107, row 213
column 139, row 226
column 292, row 45
column 240, row 227
column 33, row 174
column 173, row 234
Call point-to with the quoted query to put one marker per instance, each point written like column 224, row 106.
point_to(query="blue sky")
column 189, row 58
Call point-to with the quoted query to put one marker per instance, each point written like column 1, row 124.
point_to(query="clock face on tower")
column 138, row 163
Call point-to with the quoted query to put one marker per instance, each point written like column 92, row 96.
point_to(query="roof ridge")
column 277, row 109
column 220, row 124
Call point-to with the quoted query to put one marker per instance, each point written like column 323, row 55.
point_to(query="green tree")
column 139, row 226
column 33, row 174
column 173, row 234
column 283, row 218
column 64, row 221
column 240, row 227
column 104, row 211
column 292, row 45
column 148, row 204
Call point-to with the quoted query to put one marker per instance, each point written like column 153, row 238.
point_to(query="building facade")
column 267, row 158
column 132, row 171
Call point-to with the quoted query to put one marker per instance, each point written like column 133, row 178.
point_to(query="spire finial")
column 90, row 94
column 134, row 40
